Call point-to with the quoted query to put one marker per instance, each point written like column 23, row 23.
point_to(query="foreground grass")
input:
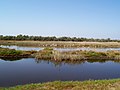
column 62, row 44
column 71, row 85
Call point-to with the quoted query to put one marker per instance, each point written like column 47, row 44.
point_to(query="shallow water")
column 29, row 70
column 59, row 49
column 21, row 48
column 87, row 49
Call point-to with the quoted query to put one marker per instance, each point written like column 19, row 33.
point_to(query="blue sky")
column 80, row 18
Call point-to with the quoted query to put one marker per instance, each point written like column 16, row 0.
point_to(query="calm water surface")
column 59, row 49
column 29, row 70
column 21, row 48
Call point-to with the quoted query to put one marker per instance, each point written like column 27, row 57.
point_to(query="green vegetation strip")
column 6, row 52
column 40, row 38
column 113, row 84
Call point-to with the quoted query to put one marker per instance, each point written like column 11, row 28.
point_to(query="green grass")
column 6, row 52
column 113, row 84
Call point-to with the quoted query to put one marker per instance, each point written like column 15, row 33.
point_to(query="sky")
column 72, row 18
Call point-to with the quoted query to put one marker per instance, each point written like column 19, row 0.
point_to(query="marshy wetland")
column 25, row 64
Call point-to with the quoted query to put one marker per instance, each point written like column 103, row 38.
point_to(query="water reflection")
column 59, row 64
column 30, row 70
column 11, row 59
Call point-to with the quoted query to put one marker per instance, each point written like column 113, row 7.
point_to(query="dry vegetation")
column 62, row 44
column 50, row 54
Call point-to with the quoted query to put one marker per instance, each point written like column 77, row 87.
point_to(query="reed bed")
column 51, row 54
column 62, row 44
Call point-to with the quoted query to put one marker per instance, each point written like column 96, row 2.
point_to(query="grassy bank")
column 12, row 53
column 62, row 44
column 50, row 54
column 71, row 85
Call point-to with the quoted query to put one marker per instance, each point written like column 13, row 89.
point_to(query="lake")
column 29, row 70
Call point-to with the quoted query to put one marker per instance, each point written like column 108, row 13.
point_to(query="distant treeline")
column 41, row 38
